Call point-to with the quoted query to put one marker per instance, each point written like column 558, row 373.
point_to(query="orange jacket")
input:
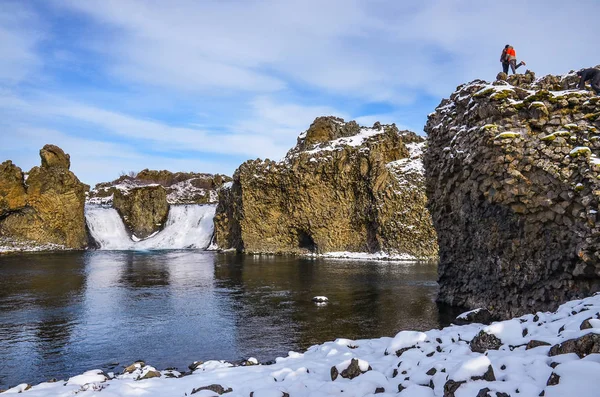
column 510, row 53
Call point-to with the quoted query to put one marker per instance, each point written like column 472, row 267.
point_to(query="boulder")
column 214, row 388
column 341, row 188
column 483, row 342
column 48, row 207
column 582, row 346
column 352, row 370
column 53, row 156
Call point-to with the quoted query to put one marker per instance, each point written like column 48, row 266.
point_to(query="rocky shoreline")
column 549, row 354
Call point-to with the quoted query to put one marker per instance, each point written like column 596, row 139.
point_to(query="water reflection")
column 366, row 300
column 62, row 314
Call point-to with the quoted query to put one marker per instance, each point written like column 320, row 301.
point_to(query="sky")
column 204, row 85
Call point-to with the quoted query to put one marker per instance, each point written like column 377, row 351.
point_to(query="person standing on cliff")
column 504, row 59
column 512, row 59
column 592, row 75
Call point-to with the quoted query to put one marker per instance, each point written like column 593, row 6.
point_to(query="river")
column 65, row 313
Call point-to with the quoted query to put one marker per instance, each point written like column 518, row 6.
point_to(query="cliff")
column 512, row 176
column 342, row 188
column 46, row 207
column 144, row 209
column 180, row 187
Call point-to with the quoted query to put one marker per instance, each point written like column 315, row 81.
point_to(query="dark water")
column 65, row 313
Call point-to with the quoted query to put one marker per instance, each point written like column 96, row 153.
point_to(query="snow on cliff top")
column 353, row 141
column 530, row 357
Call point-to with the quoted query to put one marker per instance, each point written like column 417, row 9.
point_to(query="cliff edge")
column 513, row 180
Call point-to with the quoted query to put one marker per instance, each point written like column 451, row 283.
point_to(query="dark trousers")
column 505, row 66
column 596, row 84
column 514, row 66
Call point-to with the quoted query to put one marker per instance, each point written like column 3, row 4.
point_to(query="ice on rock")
column 405, row 339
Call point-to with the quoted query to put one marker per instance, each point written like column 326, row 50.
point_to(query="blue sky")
column 204, row 85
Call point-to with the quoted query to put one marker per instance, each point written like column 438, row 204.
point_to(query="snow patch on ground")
column 377, row 256
column 8, row 244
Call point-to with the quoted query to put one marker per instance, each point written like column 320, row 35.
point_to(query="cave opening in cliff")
column 305, row 241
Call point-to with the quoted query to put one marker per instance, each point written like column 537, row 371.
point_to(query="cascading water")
column 188, row 226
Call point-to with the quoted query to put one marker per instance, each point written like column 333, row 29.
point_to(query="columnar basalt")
column 342, row 188
column 144, row 209
column 513, row 180
column 46, row 207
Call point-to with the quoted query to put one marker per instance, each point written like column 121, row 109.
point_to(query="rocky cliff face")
column 144, row 209
column 47, row 206
column 342, row 188
column 513, row 180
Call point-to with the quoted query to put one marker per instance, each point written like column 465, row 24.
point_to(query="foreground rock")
column 342, row 188
column 513, row 178
column 546, row 354
column 45, row 208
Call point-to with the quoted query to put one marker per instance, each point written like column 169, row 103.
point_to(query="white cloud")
column 376, row 50
column 269, row 132
column 19, row 35
column 143, row 83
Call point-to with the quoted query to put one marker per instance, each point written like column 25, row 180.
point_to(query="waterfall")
column 187, row 226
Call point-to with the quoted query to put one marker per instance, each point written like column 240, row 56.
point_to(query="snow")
column 580, row 376
column 353, row 141
column 92, row 376
column 446, row 351
column 465, row 315
column 183, row 192
column 8, row 244
column 377, row 256
column 187, row 226
column 405, row 339
column 509, row 332
column 580, row 150
column 474, row 367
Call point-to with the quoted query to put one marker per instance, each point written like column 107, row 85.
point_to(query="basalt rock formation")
column 513, row 180
column 144, row 209
column 47, row 206
column 342, row 188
